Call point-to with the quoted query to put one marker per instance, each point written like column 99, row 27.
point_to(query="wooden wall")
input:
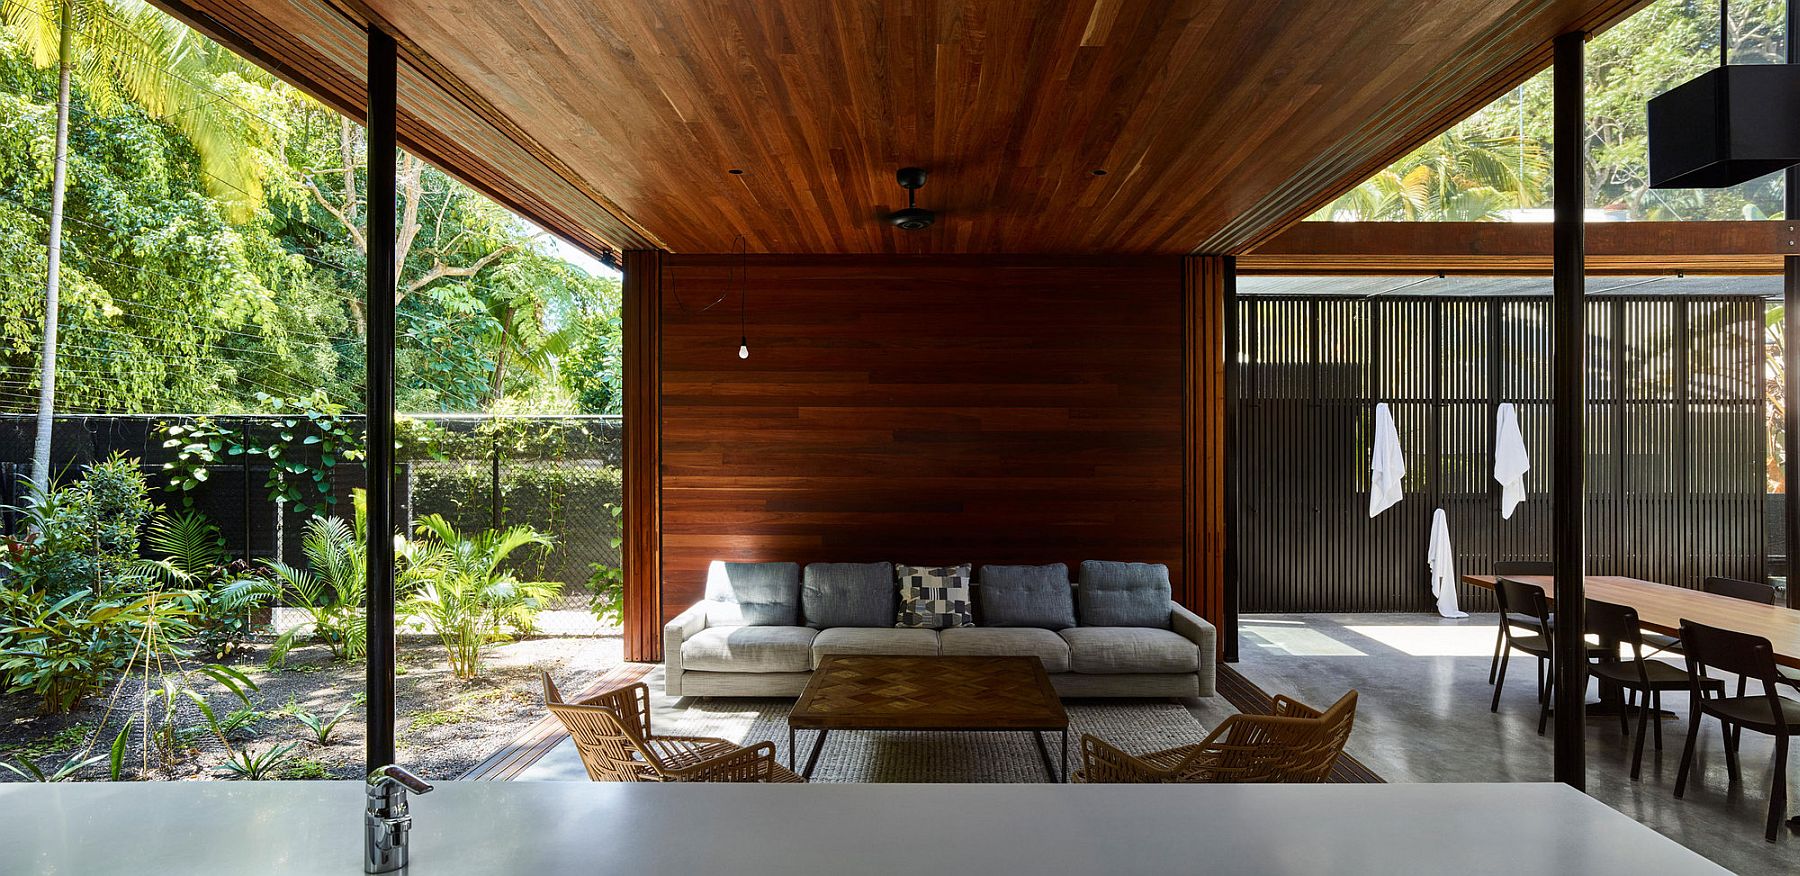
column 924, row 410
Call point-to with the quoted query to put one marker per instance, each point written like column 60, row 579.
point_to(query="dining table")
column 1661, row 608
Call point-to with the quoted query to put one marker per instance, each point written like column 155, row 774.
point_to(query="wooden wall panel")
column 642, row 293
column 922, row 410
column 1203, row 449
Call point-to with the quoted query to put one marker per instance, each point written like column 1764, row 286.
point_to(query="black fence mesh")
column 558, row 475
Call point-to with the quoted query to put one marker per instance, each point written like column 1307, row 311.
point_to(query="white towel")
column 1442, row 560
column 1511, row 462
column 1387, row 467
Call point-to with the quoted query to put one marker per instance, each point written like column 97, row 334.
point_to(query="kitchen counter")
column 486, row 828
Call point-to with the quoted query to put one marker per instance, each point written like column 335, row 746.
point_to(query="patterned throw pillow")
column 934, row 597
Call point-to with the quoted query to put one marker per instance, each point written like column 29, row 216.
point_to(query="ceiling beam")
column 1523, row 248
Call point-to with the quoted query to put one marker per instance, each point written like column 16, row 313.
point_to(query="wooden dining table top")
column 1661, row 607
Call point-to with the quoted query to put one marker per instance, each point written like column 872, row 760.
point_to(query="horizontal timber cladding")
column 920, row 410
column 1676, row 442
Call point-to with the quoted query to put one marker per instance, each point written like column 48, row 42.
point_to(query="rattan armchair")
column 1296, row 744
column 612, row 732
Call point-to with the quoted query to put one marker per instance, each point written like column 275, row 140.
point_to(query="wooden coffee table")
column 950, row 694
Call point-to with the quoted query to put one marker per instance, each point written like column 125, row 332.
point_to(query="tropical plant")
column 192, row 558
column 63, row 650
column 606, row 584
column 329, row 591
column 123, row 49
column 321, row 727
column 28, row 770
column 258, row 765
column 463, row 592
column 198, row 445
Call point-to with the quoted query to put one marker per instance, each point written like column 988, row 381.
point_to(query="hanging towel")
column 1442, row 560
column 1510, row 459
column 1387, row 468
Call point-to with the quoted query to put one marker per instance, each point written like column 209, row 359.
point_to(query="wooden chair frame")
column 613, row 734
column 1297, row 744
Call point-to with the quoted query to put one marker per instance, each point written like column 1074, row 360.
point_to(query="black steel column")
column 383, row 166
column 1790, row 350
column 1569, row 402
column 1230, row 632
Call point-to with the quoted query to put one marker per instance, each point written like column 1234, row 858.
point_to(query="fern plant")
column 464, row 593
column 329, row 591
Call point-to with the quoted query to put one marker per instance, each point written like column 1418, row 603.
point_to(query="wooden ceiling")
column 1218, row 123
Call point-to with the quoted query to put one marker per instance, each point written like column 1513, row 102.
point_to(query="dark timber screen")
column 1676, row 441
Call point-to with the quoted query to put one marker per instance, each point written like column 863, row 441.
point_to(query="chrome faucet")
column 387, row 821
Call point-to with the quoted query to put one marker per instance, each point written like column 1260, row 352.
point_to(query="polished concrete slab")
column 1423, row 717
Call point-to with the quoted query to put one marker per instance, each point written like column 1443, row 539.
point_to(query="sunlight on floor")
column 1433, row 641
column 1298, row 641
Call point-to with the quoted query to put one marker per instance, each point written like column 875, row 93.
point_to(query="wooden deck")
column 537, row 740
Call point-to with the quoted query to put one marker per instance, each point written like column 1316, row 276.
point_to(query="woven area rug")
column 910, row 756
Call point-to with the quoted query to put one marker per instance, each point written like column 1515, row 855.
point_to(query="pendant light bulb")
column 743, row 348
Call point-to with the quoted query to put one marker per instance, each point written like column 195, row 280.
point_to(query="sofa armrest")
column 679, row 629
column 1205, row 636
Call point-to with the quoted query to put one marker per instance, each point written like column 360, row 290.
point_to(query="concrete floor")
column 1423, row 717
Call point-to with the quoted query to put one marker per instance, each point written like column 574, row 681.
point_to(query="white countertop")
column 486, row 828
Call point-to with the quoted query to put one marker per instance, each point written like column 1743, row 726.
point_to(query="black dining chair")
column 1524, row 605
column 1712, row 648
column 1616, row 628
column 1749, row 591
column 1512, row 569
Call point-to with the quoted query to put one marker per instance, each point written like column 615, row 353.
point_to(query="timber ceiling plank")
column 1218, row 123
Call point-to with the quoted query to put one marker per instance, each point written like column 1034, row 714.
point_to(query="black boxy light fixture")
column 1726, row 126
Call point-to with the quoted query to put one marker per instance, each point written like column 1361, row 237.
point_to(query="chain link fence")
column 560, row 475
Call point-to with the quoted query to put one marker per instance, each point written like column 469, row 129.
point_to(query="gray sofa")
column 757, row 642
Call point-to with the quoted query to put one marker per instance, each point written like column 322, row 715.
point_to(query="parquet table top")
column 929, row 693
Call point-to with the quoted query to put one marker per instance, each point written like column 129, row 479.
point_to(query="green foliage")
column 304, row 769
column 463, row 592
column 329, row 590
column 75, row 600
column 321, row 727
column 306, row 426
column 606, row 585
column 27, row 769
column 1496, row 160
column 213, row 249
column 198, row 445
column 191, row 556
column 258, row 765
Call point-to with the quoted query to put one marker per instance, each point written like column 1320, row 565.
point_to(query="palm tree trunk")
column 40, row 452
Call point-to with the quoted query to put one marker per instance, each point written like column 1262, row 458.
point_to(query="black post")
column 1790, row 350
column 1230, row 633
column 1569, row 401
column 383, row 167
column 494, row 486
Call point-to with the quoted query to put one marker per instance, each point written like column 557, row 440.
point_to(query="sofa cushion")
column 885, row 641
column 764, row 594
column 848, row 595
column 749, row 649
column 1027, row 596
column 934, row 597
column 1006, row 642
column 1124, row 595
column 1127, row 650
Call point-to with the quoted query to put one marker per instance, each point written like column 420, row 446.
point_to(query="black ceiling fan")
column 914, row 217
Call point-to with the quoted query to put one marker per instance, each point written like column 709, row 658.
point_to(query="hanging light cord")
column 1724, row 26
column 743, row 252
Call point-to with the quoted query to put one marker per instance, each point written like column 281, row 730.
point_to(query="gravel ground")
column 446, row 725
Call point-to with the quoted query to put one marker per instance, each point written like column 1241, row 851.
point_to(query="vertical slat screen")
column 1676, row 441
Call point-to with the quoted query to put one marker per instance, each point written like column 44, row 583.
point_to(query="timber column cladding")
column 1203, row 586
column 642, row 536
